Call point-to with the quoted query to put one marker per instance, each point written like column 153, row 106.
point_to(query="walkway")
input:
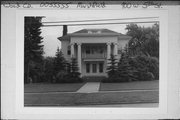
column 89, row 87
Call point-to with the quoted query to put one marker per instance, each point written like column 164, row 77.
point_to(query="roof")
column 93, row 32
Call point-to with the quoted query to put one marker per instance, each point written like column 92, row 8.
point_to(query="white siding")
column 64, row 48
column 122, row 43
column 100, row 39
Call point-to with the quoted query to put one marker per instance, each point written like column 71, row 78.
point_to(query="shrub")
column 68, row 79
column 113, row 80
column 145, row 68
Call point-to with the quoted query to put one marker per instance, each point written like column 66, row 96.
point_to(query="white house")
column 92, row 48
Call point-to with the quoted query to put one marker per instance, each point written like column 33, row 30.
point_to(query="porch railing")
column 93, row 56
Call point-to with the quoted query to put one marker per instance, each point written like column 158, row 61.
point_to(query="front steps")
column 93, row 78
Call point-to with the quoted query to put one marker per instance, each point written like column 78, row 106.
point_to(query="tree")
column 112, row 67
column 144, row 40
column 33, row 48
column 125, row 70
column 59, row 62
column 146, row 68
column 74, row 68
column 49, row 68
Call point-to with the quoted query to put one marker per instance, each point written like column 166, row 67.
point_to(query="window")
column 94, row 68
column 87, row 68
column 101, row 51
column 87, row 51
column 89, row 31
column 69, row 52
column 100, row 67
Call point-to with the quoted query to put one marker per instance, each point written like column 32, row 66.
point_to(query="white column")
column 115, row 49
column 79, row 56
column 72, row 50
column 108, row 50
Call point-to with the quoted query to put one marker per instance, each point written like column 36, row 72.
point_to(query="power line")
column 100, row 23
column 100, row 20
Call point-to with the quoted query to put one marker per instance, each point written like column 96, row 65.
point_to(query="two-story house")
column 92, row 48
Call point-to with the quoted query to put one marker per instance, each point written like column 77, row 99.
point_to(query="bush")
column 113, row 80
column 145, row 68
column 68, row 79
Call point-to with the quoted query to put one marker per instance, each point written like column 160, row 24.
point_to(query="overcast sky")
column 50, row 34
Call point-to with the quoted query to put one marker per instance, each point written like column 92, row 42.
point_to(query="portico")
column 92, row 58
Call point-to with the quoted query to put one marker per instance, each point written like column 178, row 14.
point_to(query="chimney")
column 64, row 30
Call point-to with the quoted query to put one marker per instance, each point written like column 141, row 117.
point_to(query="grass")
column 137, row 85
column 48, row 87
column 41, row 94
column 81, row 99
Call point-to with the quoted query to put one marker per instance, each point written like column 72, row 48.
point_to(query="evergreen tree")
column 33, row 48
column 112, row 66
column 125, row 71
column 49, row 68
column 59, row 62
column 74, row 68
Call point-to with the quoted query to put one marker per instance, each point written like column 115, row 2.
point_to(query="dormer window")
column 99, row 31
column 94, row 31
column 89, row 31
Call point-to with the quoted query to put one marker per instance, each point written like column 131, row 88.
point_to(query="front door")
column 94, row 68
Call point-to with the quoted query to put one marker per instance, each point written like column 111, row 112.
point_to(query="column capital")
column 108, row 43
column 115, row 43
column 79, row 43
column 72, row 43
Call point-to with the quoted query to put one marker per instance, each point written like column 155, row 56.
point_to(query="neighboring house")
column 92, row 48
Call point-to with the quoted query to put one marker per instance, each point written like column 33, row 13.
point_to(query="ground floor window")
column 87, row 68
column 100, row 67
column 94, row 69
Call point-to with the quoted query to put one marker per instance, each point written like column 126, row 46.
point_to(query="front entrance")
column 94, row 69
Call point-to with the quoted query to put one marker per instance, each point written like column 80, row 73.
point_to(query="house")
column 92, row 48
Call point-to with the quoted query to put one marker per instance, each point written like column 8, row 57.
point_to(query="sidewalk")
column 139, row 105
column 89, row 87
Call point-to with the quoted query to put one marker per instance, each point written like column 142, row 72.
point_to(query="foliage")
column 71, row 75
column 33, row 48
column 74, row 68
column 125, row 70
column 49, row 69
column 145, row 40
column 113, row 80
column 59, row 62
column 112, row 67
column 147, row 68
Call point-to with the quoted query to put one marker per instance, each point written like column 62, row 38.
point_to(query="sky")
column 50, row 34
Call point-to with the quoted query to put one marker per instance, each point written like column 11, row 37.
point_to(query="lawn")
column 137, row 85
column 48, row 87
column 81, row 99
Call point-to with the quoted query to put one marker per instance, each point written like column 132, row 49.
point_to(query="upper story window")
column 89, row 31
column 94, row 31
column 69, row 52
column 99, row 31
column 88, row 51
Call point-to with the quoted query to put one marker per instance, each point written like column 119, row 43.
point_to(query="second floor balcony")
column 93, row 56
